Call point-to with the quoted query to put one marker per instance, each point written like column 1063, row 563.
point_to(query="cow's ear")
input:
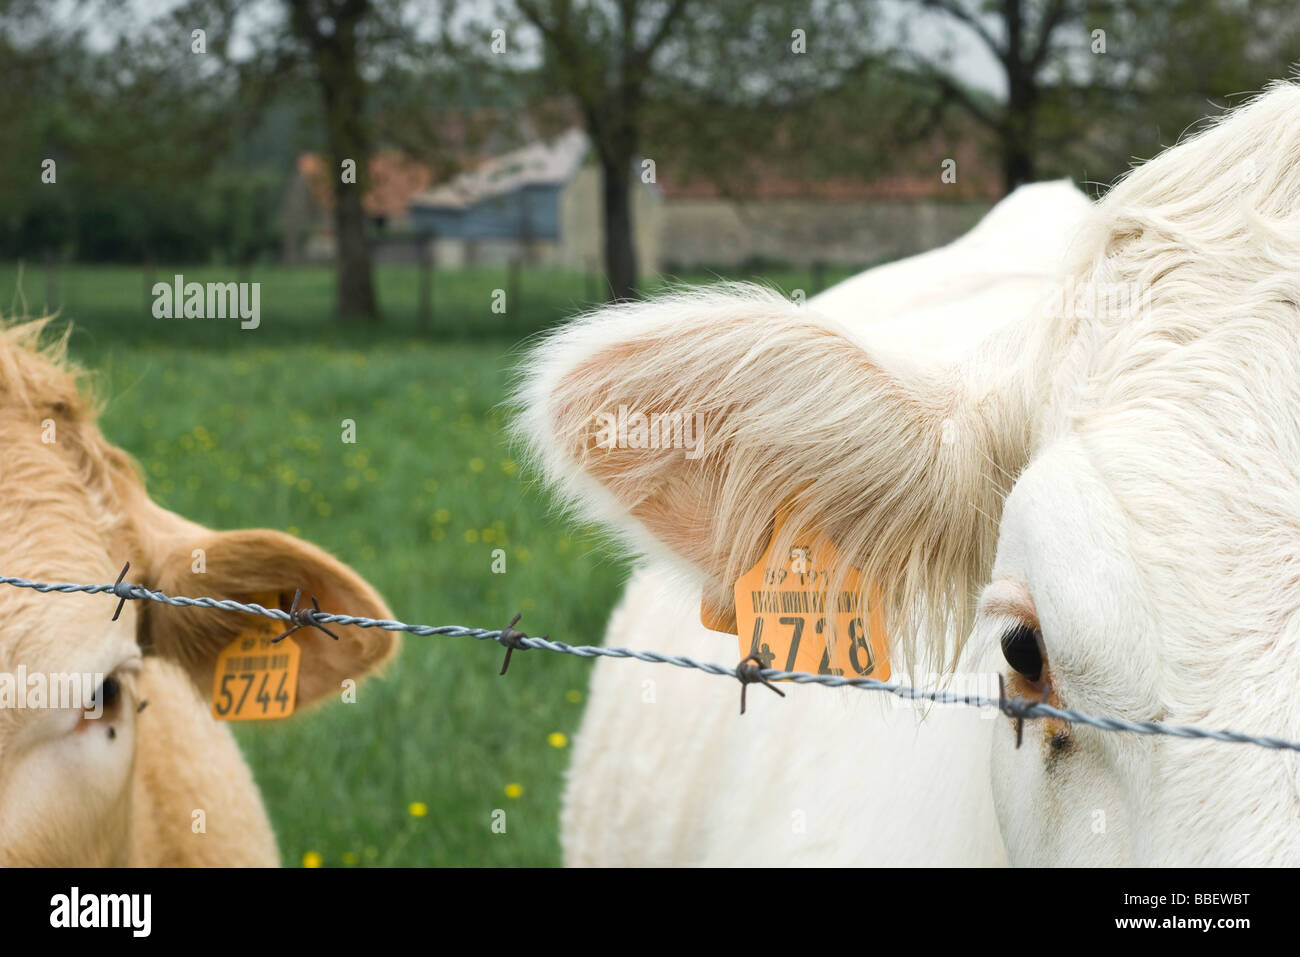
column 182, row 558
column 686, row 422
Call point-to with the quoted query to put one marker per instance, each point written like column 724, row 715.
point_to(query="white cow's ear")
column 185, row 559
column 685, row 422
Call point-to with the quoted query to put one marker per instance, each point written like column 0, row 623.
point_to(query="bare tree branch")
column 955, row 10
column 951, row 88
column 661, row 32
column 1051, row 20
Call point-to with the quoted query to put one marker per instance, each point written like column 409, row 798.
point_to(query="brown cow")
column 123, row 788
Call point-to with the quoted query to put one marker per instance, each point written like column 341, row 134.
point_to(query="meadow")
column 244, row 429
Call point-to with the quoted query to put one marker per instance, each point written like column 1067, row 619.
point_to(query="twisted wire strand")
column 1012, row 707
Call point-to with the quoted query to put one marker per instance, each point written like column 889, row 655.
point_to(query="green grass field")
column 243, row 428
column 416, row 506
column 111, row 304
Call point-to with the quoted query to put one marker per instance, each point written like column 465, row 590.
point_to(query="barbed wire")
column 747, row 672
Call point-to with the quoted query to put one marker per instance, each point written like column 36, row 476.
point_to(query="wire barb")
column 513, row 641
column 122, row 590
column 1021, row 708
column 749, row 671
column 304, row 618
column 1012, row 707
column 1005, row 707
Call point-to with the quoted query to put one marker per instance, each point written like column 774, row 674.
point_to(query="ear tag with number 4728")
column 257, row 679
column 782, row 614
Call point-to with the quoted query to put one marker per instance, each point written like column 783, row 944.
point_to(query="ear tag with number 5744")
column 256, row 679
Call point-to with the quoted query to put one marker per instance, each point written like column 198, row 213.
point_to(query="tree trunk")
column 1017, row 162
column 1020, row 130
column 343, row 93
column 353, row 270
column 620, row 244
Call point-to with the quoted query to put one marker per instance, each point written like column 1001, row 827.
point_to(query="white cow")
column 938, row 305
column 1119, row 468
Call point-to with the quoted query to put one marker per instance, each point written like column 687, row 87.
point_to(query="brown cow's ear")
column 250, row 565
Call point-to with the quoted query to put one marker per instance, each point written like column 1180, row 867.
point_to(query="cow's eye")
column 1022, row 647
column 108, row 692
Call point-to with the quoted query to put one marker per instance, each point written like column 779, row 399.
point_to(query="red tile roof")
column 976, row 178
column 394, row 179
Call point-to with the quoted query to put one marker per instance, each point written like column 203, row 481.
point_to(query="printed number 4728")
column 859, row 647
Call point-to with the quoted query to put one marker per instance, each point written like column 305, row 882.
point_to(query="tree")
column 98, row 112
column 328, row 30
column 602, row 55
column 781, row 90
column 632, row 66
column 1179, row 60
column 1077, row 72
column 1023, row 36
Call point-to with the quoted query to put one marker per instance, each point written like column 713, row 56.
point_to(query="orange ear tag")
column 782, row 611
column 255, row 679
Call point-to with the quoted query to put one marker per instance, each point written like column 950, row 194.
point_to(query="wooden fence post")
column 51, row 280
column 513, row 303
column 424, row 259
column 818, row 276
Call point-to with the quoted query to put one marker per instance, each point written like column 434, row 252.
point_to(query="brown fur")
column 74, row 510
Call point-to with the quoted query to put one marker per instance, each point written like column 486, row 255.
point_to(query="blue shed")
column 515, row 196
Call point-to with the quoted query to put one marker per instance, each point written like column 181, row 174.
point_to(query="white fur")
column 647, row 782
column 1137, row 475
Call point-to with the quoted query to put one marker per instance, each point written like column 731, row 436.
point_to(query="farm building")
column 306, row 211
column 773, row 215
column 539, row 204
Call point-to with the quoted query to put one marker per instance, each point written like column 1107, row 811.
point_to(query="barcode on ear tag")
column 256, row 679
column 783, row 614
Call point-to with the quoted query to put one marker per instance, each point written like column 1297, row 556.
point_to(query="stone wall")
column 582, row 228
column 716, row 232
